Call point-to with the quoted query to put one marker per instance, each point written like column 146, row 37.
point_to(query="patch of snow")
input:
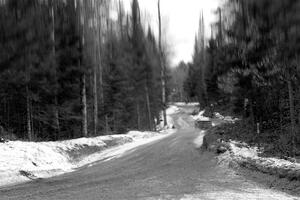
column 247, row 156
column 200, row 117
column 218, row 115
column 186, row 104
column 242, row 150
column 253, row 193
column 199, row 140
column 172, row 110
column 137, row 134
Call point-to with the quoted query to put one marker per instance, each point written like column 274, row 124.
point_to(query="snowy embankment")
column 23, row 161
column 241, row 154
column 248, row 157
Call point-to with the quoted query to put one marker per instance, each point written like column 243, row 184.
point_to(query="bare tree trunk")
column 298, row 98
column 220, row 39
column 251, row 112
column 82, row 18
column 84, row 106
column 114, row 121
column 56, row 112
column 95, row 94
column 298, row 110
column 162, row 65
column 8, row 114
column 148, row 108
column 292, row 112
column 31, row 119
column 97, row 61
column 138, row 115
column 181, row 94
column 102, row 91
column 280, row 114
column 100, row 67
column 28, row 114
column 107, row 129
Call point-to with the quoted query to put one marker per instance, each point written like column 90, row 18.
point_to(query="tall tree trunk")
column 280, row 113
column 97, row 61
column 107, row 129
column 31, row 119
column 102, row 91
column 82, row 26
column 292, row 112
column 28, row 114
column 95, row 94
column 56, row 112
column 100, row 67
column 8, row 113
column 163, row 70
column 148, row 108
column 114, row 121
column 138, row 115
column 298, row 109
column 181, row 94
column 220, row 39
column 251, row 112
column 84, row 106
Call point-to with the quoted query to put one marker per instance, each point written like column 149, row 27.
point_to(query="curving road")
column 171, row 168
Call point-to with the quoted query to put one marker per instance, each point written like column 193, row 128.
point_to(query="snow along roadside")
column 241, row 154
column 248, row 157
column 24, row 161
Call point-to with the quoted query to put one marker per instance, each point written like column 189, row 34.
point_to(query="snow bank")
column 186, row 104
column 233, row 152
column 22, row 161
column 226, row 119
column 172, row 110
column 248, row 157
column 217, row 118
column 198, row 142
column 200, row 117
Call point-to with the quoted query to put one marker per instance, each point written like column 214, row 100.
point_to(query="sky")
column 180, row 21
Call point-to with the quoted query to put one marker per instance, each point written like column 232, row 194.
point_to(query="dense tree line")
column 67, row 69
column 252, row 63
column 177, row 80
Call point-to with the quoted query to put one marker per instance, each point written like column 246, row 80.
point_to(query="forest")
column 69, row 69
column 250, row 66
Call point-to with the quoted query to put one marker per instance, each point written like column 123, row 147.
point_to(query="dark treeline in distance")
column 67, row 69
column 252, row 64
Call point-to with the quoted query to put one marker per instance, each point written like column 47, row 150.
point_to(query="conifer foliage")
column 67, row 69
column 252, row 63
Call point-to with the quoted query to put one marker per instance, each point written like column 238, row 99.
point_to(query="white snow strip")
column 253, row 193
column 186, row 104
column 200, row 117
column 22, row 161
column 242, row 153
column 199, row 140
column 119, row 151
column 172, row 110
column 243, row 150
